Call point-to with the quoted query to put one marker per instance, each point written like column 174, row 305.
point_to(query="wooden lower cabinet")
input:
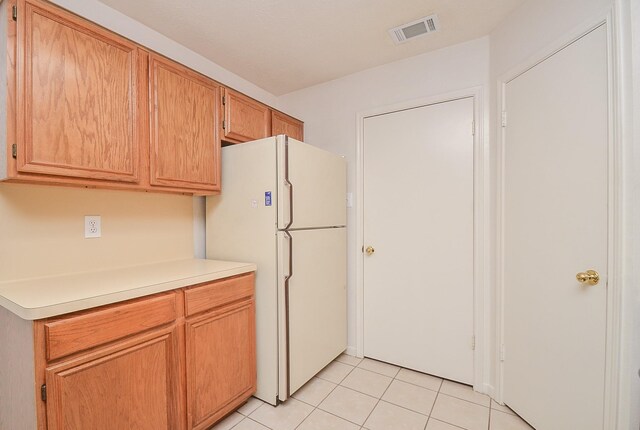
column 149, row 363
column 221, row 362
column 131, row 385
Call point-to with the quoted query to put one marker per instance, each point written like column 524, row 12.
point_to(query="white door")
column 315, row 299
column 555, row 225
column 315, row 194
column 418, row 217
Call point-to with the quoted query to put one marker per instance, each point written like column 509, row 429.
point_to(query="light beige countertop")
column 37, row 298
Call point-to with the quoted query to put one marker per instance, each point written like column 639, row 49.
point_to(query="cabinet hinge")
column 43, row 392
column 504, row 118
column 14, row 11
column 224, row 100
column 473, row 342
column 224, row 125
column 14, row 150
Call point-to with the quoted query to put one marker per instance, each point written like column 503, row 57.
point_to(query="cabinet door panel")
column 245, row 119
column 221, row 362
column 284, row 124
column 184, row 127
column 76, row 97
column 131, row 387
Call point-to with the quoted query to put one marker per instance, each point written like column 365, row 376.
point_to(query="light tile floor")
column 354, row 394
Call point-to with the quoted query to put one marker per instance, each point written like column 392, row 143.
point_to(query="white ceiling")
column 286, row 45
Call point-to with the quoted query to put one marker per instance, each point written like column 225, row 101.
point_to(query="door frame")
column 615, row 228
column 481, row 224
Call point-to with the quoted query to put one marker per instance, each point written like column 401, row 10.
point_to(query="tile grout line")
column 258, row 422
column 434, row 404
column 247, row 417
column 379, row 400
column 338, row 416
column 234, row 412
column 489, row 423
column 323, row 399
column 465, row 400
column 373, row 371
column 449, row 424
column 316, row 407
column 244, row 417
column 343, row 378
column 421, row 386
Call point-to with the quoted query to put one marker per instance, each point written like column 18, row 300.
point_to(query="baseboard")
column 489, row 390
column 351, row 350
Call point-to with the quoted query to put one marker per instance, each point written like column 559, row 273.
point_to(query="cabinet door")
column 185, row 149
column 244, row 118
column 76, row 97
column 284, row 124
column 131, row 385
column 221, row 362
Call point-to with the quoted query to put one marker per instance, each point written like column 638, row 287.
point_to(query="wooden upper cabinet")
column 244, row 118
column 76, row 97
column 87, row 107
column 185, row 148
column 284, row 124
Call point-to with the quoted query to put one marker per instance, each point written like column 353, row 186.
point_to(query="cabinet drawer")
column 209, row 296
column 96, row 327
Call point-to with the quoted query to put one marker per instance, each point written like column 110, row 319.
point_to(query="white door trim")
column 616, row 232
column 481, row 193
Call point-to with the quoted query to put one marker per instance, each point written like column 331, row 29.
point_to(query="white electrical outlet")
column 92, row 226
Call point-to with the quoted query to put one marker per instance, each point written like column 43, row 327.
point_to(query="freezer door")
column 316, row 302
column 312, row 186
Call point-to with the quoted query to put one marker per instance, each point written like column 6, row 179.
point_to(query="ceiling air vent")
column 416, row 28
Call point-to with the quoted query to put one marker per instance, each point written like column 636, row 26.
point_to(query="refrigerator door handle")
column 290, row 259
column 287, row 277
column 287, row 182
column 289, row 186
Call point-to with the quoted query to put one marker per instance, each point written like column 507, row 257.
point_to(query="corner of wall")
column 3, row 90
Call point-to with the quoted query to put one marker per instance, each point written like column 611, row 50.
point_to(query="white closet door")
column 555, row 225
column 418, row 217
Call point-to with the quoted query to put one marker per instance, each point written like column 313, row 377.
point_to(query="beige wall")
column 42, row 229
column 330, row 111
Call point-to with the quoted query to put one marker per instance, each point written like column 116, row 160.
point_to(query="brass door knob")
column 590, row 277
column 369, row 250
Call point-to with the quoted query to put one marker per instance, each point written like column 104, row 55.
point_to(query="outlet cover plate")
column 92, row 226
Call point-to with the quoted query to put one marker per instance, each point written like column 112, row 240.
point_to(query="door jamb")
column 615, row 228
column 481, row 225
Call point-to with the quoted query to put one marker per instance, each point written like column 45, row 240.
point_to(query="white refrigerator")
column 283, row 207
